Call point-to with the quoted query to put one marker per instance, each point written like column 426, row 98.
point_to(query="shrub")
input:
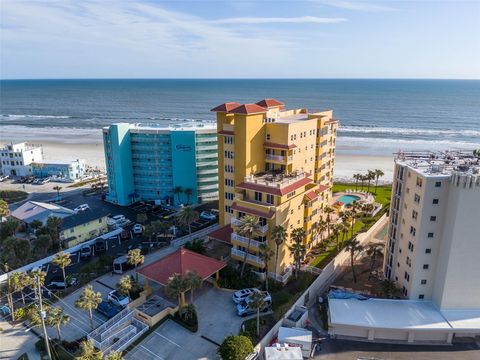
column 235, row 348
column 196, row 245
column 187, row 316
column 230, row 278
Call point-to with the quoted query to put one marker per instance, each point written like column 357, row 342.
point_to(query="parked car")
column 44, row 181
column 137, row 229
column 115, row 220
column 207, row 216
column 57, row 282
column 244, row 309
column 108, row 309
column 240, row 295
column 118, row 299
column 3, row 177
column 100, row 246
column 120, row 265
column 85, row 252
column 81, row 208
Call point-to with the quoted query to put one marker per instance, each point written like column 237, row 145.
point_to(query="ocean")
column 378, row 117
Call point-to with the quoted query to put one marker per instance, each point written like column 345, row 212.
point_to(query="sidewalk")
column 15, row 341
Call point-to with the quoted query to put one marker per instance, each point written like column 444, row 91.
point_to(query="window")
column 438, row 184
column 258, row 196
column 229, row 182
column 435, row 201
column 419, row 182
column 414, row 214
column 268, row 136
column 412, row 230
column 416, row 198
column 409, row 261
column 228, row 209
column 421, row 296
column 229, row 168
column 229, row 196
column 425, row 266
column 423, row 282
column 229, row 154
column 410, row 246
column 433, row 218
column 270, row 199
column 430, row 235
column 100, row 221
column 406, row 276
column 228, row 139
column 428, row 251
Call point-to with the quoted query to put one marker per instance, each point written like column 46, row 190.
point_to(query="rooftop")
column 440, row 163
column 35, row 210
column 186, row 125
column 82, row 218
column 268, row 103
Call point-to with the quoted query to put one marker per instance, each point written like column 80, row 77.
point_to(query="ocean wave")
column 405, row 131
column 395, row 143
column 25, row 116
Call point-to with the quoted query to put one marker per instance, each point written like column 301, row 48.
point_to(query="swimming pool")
column 348, row 199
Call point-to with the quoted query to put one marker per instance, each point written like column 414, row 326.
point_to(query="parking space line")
column 173, row 342
column 151, row 352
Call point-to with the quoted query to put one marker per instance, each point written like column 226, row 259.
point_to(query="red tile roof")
column 181, row 262
column 279, row 146
column 273, row 190
column 223, row 234
column 267, row 103
column 322, row 188
column 226, row 107
column 226, row 132
column 251, row 211
column 247, row 109
column 312, row 195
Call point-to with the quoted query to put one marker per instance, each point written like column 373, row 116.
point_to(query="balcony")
column 261, row 229
column 244, row 241
column 275, row 180
column 275, row 157
column 251, row 259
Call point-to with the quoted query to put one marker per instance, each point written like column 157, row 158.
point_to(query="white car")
column 207, row 215
column 118, row 299
column 244, row 308
column 116, row 220
column 137, row 229
column 240, row 295
column 80, row 208
column 3, row 177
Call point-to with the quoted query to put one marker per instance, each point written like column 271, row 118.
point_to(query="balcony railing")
column 262, row 229
column 252, row 258
column 275, row 157
column 244, row 240
column 277, row 181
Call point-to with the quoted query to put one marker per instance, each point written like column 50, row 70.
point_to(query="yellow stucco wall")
column 84, row 232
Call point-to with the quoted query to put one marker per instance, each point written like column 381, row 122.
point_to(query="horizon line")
column 239, row 78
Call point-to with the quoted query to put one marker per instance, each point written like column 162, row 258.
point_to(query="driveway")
column 15, row 341
column 216, row 315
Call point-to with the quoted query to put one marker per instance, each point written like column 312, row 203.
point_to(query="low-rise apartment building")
column 69, row 171
column 277, row 165
column 15, row 159
column 148, row 161
column 82, row 227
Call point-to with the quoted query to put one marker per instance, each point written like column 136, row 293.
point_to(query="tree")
column 18, row 281
column 62, row 260
column 114, row 355
column 329, row 211
column 257, row 302
column 88, row 351
column 196, row 245
column 336, row 235
column 189, row 193
column 235, row 347
column 125, row 285
column 57, row 189
column 321, row 227
column 362, row 179
column 177, row 190
column 89, row 301
column 370, row 176
column 8, row 228
column 135, row 258
column 194, row 282
column 3, row 208
column 23, row 250
column 142, row 218
column 29, row 313
column 42, row 243
column 356, row 177
column 266, row 255
column 373, row 251
column 248, row 225
column 355, row 214
column 53, row 225
column 279, row 235
column 389, row 288
column 187, row 216
column 378, row 174
column 353, row 246
column 37, row 276
column 298, row 248
column 56, row 318
column 176, row 287
column 35, row 225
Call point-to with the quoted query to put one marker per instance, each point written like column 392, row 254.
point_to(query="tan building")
column 434, row 230
column 277, row 165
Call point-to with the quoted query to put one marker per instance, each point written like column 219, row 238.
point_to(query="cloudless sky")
column 239, row 39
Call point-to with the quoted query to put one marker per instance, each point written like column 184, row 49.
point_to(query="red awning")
column 181, row 262
column 279, row 146
column 251, row 211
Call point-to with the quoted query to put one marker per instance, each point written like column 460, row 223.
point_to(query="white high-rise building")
column 433, row 251
column 15, row 159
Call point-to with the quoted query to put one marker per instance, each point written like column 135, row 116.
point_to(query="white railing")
column 245, row 240
column 262, row 229
column 198, row 234
column 282, row 278
column 212, row 155
column 206, row 147
column 277, row 181
column 275, row 157
column 253, row 258
column 236, row 222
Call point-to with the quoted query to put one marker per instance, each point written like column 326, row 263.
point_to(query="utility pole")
column 42, row 317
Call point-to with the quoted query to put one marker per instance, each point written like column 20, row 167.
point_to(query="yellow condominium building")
column 277, row 165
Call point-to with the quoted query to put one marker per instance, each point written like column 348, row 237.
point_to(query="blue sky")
column 239, row 39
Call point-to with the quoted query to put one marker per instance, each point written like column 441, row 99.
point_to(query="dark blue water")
column 384, row 115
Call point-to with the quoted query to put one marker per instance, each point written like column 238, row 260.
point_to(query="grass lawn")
column 266, row 323
column 382, row 196
column 12, row 196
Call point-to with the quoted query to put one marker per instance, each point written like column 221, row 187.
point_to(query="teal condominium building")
column 148, row 161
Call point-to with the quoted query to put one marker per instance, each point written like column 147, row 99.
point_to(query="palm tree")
column 362, row 180
column 336, row 235
column 373, row 251
column 57, row 189
column 114, row 355
column 89, row 301
column 279, row 235
column 18, row 281
column 321, row 227
column 248, row 225
column 370, row 176
column 356, row 177
column 176, row 287
column 389, row 288
column 194, row 283
column 328, row 210
column 135, row 258
column 189, row 193
column 35, row 277
column 125, row 285
column 56, row 318
column 266, row 255
column 3, row 209
column 62, row 260
column 9, row 227
column 88, row 351
column 187, row 216
column 177, row 190
column 35, row 225
column 257, row 301
column 298, row 248
column 42, row 243
column 355, row 214
column 353, row 246
column 378, row 174
column 53, row 225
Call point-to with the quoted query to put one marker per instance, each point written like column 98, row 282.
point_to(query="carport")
column 181, row 262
